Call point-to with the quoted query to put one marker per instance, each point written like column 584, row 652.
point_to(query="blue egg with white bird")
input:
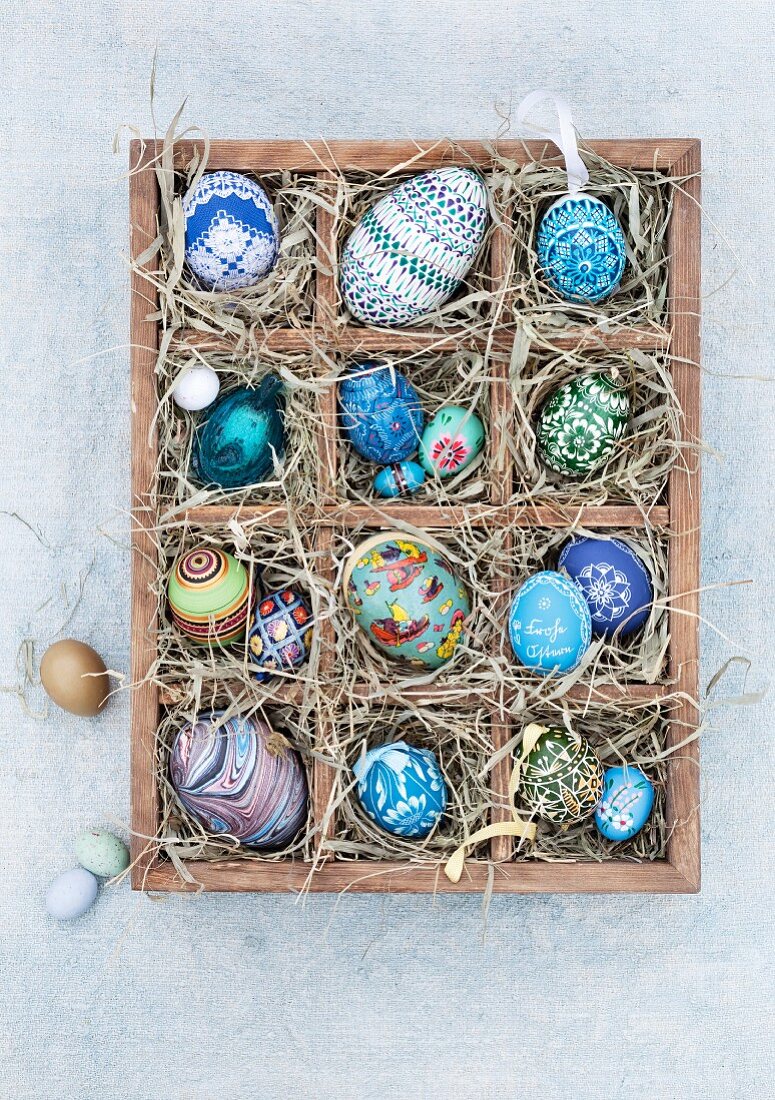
column 400, row 479
column 626, row 803
column 581, row 249
column 380, row 413
column 613, row 580
column 549, row 624
column 232, row 235
column 401, row 788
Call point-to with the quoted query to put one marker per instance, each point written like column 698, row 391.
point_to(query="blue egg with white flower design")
column 614, row 582
column 401, row 788
column 627, row 801
column 581, row 248
column 380, row 413
column 549, row 624
column 232, row 235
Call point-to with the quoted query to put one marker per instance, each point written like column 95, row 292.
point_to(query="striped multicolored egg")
column 401, row 788
column 581, row 423
column 451, row 441
column 411, row 250
column 209, row 596
column 237, row 776
column 281, row 634
column 380, row 412
column 581, row 248
column 562, row 777
column 241, row 437
column 406, row 598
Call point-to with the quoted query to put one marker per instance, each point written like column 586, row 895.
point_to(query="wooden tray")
column 680, row 516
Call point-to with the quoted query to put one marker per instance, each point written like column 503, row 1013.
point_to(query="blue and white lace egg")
column 401, row 788
column 581, row 248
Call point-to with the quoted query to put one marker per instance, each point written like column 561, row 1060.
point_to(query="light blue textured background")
column 372, row 996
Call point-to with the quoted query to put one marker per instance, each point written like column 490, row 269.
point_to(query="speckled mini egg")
column 581, row 248
column 626, row 803
column 401, row 788
column 232, row 235
column 613, row 580
column 71, row 894
column 380, row 412
column 209, row 596
column 581, row 423
column 196, row 388
column 549, row 624
column 401, row 479
column 102, row 853
column 281, row 634
column 451, row 441
column 411, row 250
column 242, row 436
column 406, row 598
column 237, row 776
column 562, row 777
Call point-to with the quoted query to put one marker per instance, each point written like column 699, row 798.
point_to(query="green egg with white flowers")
column 581, row 424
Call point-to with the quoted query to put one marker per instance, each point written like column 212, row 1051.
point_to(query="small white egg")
column 71, row 894
column 196, row 389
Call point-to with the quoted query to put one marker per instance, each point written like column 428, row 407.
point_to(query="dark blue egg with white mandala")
column 232, row 236
column 627, row 801
column 581, row 248
column 401, row 788
column 614, row 583
column 380, row 413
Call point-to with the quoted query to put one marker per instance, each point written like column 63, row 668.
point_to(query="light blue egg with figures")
column 549, row 624
column 581, row 248
column 399, row 480
column 401, row 788
column 626, row 803
column 380, row 413
column 614, row 582
column 232, row 235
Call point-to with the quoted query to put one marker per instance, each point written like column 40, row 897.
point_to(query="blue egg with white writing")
column 581, row 248
column 549, row 624
column 614, row 582
column 627, row 801
column 398, row 480
column 401, row 788
column 380, row 413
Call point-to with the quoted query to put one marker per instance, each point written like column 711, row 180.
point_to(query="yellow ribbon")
column 454, row 865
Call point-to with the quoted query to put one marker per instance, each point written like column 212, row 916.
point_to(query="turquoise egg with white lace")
column 401, row 789
column 581, row 248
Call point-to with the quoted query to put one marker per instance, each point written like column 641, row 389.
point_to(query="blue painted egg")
column 380, row 413
column 411, row 250
column 401, row 788
column 232, row 236
column 549, row 624
column 399, row 480
column 614, row 582
column 627, row 801
column 581, row 248
column 243, row 433
column 281, row 635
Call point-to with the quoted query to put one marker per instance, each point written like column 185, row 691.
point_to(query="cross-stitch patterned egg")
column 281, row 635
column 549, row 624
column 581, row 248
column 380, row 412
column 238, row 776
column 209, row 596
column 627, row 801
column 402, row 789
column 562, row 777
column 400, row 479
column 242, row 436
column 581, row 423
column 451, row 441
column 411, row 250
column 613, row 580
column 406, row 598
column 232, row 236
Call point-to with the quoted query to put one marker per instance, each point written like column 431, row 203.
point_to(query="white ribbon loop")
column 564, row 139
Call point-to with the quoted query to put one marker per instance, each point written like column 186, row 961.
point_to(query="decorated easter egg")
column 196, row 388
column 281, row 635
column 238, row 776
column 581, row 423
column 380, row 412
column 627, row 801
column 410, row 251
column 562, row 777
column 400, row 479
column 232, row 236
column 71, row 894
column 209, row 596
column 242, row 436
column 613, row 580
column 74, row 677
column 401, row 788
column 102, row 853
column 549, row 624
column 406, row 598
column 451, row 441
column 581, row 248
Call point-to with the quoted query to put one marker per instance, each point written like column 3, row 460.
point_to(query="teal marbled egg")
column 451, row 441
column 406, row 598
column 237, row 443
column 581, row 423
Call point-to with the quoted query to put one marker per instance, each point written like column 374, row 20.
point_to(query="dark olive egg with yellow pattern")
column 562, row 777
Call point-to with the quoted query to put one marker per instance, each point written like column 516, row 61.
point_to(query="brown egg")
column 65, row 674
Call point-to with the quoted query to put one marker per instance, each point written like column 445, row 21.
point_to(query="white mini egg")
column 196, row 389
column 71, row 894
